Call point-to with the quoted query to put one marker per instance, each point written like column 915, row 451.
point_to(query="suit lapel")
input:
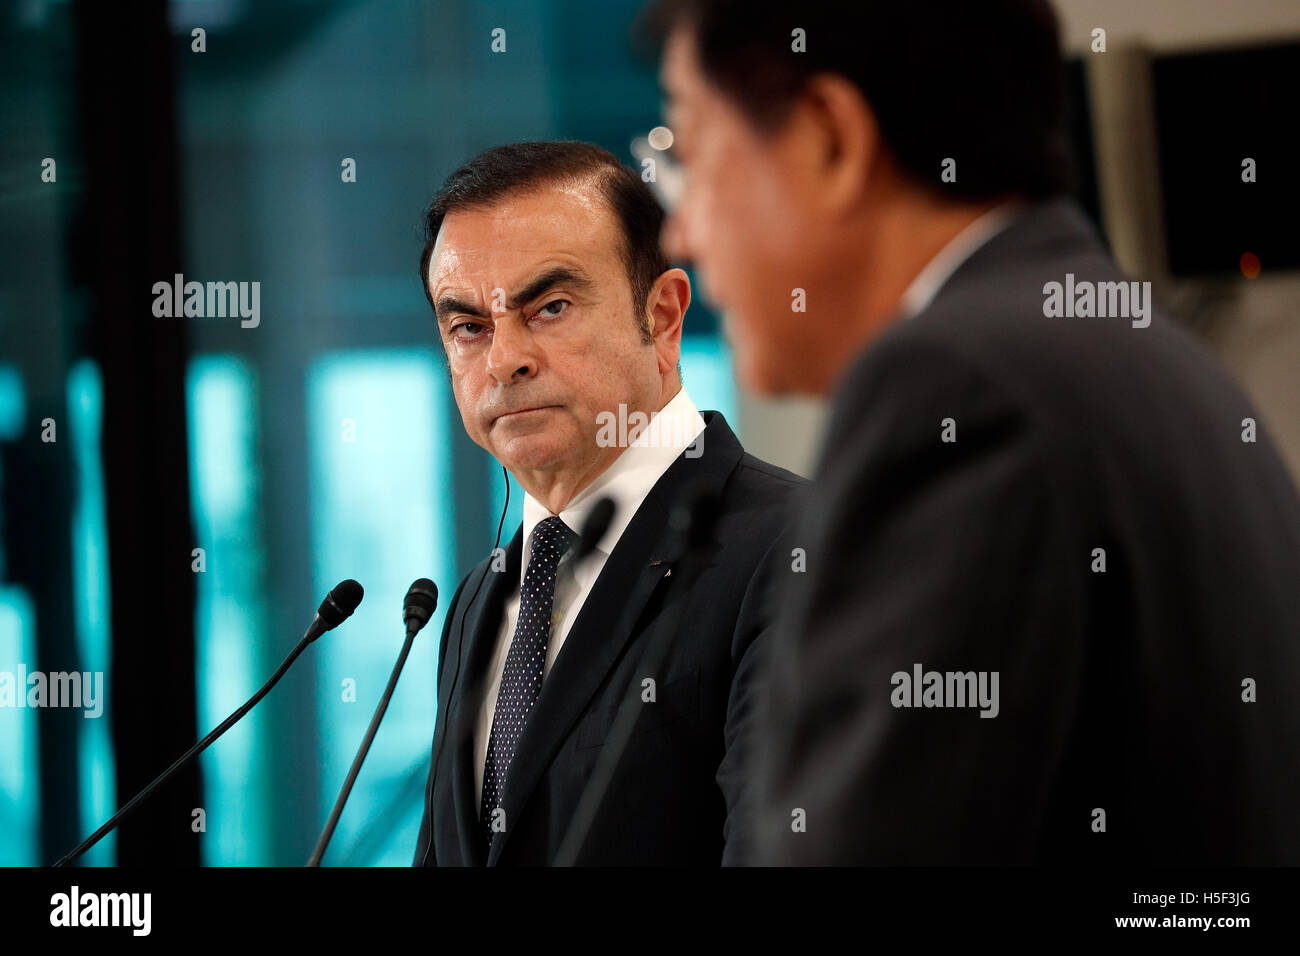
column 640, row 562
column 479, row 629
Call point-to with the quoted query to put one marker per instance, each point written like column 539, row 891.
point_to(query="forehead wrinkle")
column 584, row 192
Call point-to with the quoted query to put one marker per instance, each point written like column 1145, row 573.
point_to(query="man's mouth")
column 524, row 411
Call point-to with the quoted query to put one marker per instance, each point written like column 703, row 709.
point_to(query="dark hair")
column 981, row 82
column 498, row 172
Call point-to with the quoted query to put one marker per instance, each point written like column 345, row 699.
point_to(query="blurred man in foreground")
column 1051, row 611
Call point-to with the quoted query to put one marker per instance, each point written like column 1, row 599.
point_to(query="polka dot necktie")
column 521, row 680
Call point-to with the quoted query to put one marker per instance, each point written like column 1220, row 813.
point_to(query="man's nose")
column 512, row 355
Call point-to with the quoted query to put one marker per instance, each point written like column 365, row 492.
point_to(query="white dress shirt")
column 627, row 481
column 922, row 290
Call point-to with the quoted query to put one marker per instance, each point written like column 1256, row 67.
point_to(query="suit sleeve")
column 424, row 843
column 750, row 646
column 948, row 556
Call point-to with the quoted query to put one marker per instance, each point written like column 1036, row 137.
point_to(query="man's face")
column 744, row 222
column 535, row 314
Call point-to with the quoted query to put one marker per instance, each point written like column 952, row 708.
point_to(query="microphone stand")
column 360, row 758
column 189, row 754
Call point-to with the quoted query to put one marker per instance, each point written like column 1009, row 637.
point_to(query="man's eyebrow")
column 559, row 275
column 449, row 303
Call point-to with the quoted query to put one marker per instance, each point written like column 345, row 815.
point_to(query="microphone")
column 692, row 525
column 418, row 606
column 421, row 599
column 333, row 611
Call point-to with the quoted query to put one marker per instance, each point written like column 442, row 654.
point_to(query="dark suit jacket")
column 1120, row 691
column 681, row 788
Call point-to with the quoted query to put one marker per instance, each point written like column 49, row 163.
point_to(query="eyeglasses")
column 659, row 168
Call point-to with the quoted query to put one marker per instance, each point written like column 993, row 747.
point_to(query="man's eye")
column 466, row 330
column 544, row 310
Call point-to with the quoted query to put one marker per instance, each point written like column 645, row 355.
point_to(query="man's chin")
column 525, row 452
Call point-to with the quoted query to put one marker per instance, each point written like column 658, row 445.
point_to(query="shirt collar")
column 629, row 478
column 922, row 290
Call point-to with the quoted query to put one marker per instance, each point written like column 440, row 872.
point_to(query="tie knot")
column 551, row 539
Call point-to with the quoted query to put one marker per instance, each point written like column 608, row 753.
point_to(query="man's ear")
column 669, row 299
column 840, row 136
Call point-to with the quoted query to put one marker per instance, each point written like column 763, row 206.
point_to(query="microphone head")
column 340, row 603
column 594, row 528
column 419, row 604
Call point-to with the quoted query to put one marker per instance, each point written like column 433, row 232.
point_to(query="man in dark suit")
column 1051, row 612
column 561, row 323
